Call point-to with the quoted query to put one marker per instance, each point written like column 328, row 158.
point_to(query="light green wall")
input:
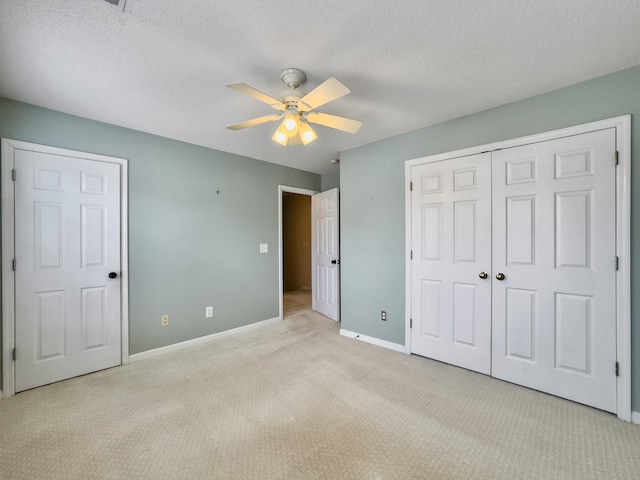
column 189, row 247
column 329, row 181
column 372, row 195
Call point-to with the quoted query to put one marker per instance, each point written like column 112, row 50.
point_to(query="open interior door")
column 325, row 226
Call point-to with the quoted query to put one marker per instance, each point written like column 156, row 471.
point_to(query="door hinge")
column 13, row 174
column 411, row 255
column 13, row 355
column 411, row 323
column 617, row 369
column 411, row 186
column 13, row 264
column 617, row 159
column 615, row 262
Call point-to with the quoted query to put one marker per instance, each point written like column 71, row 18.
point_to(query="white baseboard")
column 635, row 417
column 136, row 357
column 375, row 341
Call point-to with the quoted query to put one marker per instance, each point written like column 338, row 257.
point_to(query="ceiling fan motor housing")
column 293, row 77
column 291, row 97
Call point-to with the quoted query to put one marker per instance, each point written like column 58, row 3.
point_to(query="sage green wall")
column 372, row 196
column 329, row 181
column 189, row 246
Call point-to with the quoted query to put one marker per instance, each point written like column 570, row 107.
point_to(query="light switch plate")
column 264, row 248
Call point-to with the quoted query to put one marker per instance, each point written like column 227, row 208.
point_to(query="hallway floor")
column 296, row 302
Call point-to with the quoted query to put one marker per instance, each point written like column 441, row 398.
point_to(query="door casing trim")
column 622, row 125
column 8, row 250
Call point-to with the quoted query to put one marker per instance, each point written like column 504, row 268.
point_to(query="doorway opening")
column 295, row 251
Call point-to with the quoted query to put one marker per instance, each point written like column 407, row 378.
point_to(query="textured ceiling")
column 161, row 66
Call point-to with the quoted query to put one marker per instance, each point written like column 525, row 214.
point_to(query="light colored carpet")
column 294, row 400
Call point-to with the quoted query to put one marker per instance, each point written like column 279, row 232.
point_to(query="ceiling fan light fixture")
column 281, row 135
column 290, row 123
column 306, row 133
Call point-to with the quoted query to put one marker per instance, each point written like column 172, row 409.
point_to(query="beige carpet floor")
column 295, row 400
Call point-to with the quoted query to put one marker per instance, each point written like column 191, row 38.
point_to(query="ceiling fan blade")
column 332, row 121
column 326, row 92
column 257, row 94
column 255, row 121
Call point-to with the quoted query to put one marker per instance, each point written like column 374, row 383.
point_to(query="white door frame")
column 282, row 189
column 622, row 125
column 8, row 250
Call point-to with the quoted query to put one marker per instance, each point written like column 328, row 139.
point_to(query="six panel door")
column 67, row 215
column 451, row 244
column 554, row 322
column 325, row 222
column 543, row 229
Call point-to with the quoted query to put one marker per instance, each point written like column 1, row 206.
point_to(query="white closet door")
column 67, row 230
column 451, row 244
column 554, row 322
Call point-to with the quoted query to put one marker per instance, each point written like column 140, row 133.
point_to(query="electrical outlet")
column 164, row 320
column 208, row 313
column 383, row 315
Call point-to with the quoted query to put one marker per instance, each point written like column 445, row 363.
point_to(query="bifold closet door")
column 554, row 321
column 451, row 245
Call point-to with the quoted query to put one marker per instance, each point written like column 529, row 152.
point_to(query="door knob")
column 483, row 275
column 335, row 262
column 500, row 276
column 113, row 275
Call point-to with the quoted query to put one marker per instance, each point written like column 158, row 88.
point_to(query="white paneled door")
column 540, row 221
column 325, row 222
column 67, row 248
column 451, row 238
column 554, row 241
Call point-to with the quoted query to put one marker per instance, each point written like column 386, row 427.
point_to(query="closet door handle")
column 500, row 276
column 483, row 275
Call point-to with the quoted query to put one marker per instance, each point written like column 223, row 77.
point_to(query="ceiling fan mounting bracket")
column 293, row 77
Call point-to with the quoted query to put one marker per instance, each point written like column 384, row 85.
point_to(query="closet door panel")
column 451, row 243
column 554, row 325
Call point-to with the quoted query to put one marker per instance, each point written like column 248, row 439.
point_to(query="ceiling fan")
column 296, row 108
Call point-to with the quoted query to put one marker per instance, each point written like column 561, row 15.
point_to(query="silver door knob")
column 500, row 276
column 483, row 275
